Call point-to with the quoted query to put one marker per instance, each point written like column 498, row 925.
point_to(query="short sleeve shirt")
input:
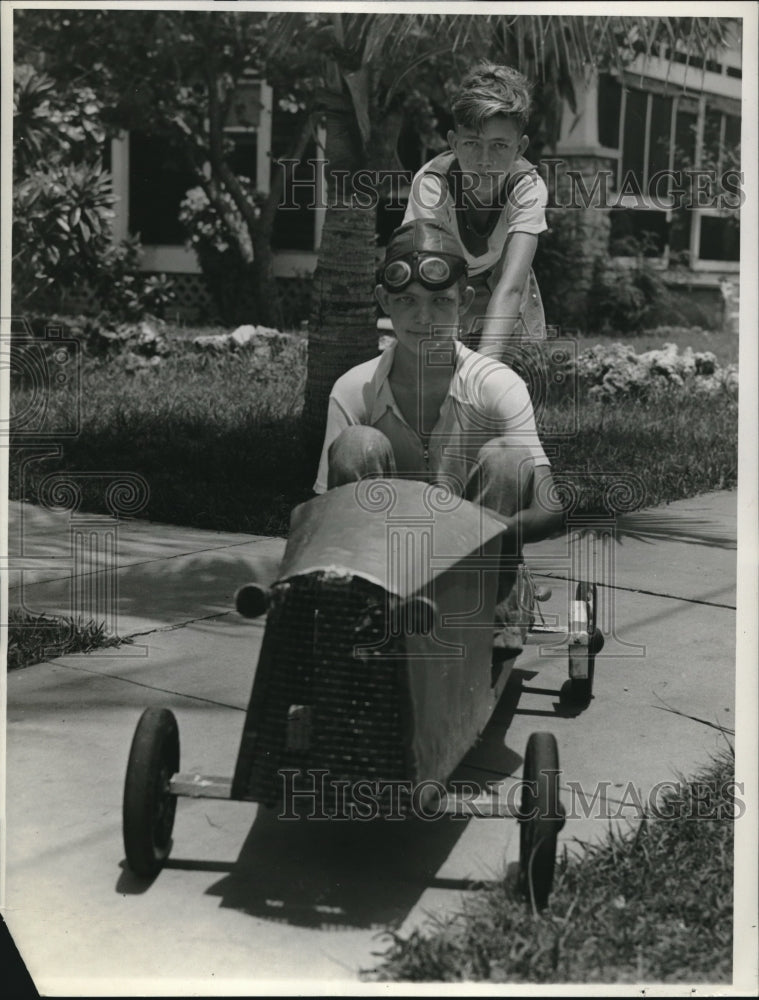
column 435, row 194
column 486, row 399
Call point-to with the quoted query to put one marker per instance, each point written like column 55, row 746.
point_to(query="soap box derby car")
column 375, row 672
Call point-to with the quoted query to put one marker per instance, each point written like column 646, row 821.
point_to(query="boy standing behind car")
column 493, row 201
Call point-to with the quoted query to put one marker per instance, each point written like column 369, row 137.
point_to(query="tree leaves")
column 62, row 227
column 50, row 124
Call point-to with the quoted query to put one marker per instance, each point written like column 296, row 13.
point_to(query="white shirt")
column 524, row 211
column 485, row 399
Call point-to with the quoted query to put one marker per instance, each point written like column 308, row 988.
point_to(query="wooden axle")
column 483, row 806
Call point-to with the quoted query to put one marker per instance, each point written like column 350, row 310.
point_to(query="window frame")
column 723, row 105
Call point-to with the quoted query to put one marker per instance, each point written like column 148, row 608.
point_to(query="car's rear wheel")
column 579, row 690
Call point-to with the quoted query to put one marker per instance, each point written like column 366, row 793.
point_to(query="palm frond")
column 556, row 47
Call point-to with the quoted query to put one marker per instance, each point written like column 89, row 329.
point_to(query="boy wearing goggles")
column 430, row 409
column 493, row 201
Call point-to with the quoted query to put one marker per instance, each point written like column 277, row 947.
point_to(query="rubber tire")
column 580, row 691
column 149, row 808
column 538, row 832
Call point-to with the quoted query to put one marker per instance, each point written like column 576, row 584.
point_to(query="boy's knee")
column 358, row 440
column 503, row 476
column 357, row 452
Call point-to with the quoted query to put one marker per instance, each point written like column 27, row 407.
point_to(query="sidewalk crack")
column 151, row 687
column 177, row 625
column 639, row 590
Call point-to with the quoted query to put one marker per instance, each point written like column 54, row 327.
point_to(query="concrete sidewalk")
column 246, row 898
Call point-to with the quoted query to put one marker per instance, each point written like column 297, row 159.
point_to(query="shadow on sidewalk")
column 160, row 591
column 337, row 873
column 651, row 526
column 347, row 873
column 353, row 874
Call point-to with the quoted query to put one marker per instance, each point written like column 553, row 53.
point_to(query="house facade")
column 648, row 160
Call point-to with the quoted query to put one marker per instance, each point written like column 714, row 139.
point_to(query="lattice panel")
column 193, row 297
column 193, row 300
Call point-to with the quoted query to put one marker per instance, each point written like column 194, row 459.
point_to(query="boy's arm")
column 503, row 309
column 512, row 417
column 545, row 515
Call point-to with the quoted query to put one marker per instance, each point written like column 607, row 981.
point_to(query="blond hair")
column 488, row 90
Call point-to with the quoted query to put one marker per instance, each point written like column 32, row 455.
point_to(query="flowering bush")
column 61, row 227
column 615, row 370
column 203, row 225
column 223, row 247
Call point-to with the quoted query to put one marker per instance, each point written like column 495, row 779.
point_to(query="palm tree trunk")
column 343, row 327
column 267, row 297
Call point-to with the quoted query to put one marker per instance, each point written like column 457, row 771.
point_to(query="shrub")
column 604, row 293
column 51, row 125
column 555, row 268
column 615, row 370
column 626, row 298
column 62, row 205
column 62, row 197
column 126, row 292
column 61, row 227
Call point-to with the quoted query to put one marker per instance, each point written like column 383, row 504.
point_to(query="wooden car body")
column 376, row 658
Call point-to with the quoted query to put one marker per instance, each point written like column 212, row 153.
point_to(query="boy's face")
column 489, row 154
column 419, row 313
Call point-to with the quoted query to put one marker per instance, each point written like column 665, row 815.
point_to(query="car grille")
column 321, row 703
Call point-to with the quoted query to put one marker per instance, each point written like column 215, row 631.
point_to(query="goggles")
column 432, row 272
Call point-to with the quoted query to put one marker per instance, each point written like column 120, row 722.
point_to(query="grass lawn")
column 216, row 438
column 218, row 442
column 648, row 904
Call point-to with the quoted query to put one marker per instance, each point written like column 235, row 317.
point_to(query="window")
column 158, row 180
column 245, row 108
column 715, row 239
column 160, row 176
column 719, row 239
column 661, row 133
column 609, row 111
column 638, row 231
